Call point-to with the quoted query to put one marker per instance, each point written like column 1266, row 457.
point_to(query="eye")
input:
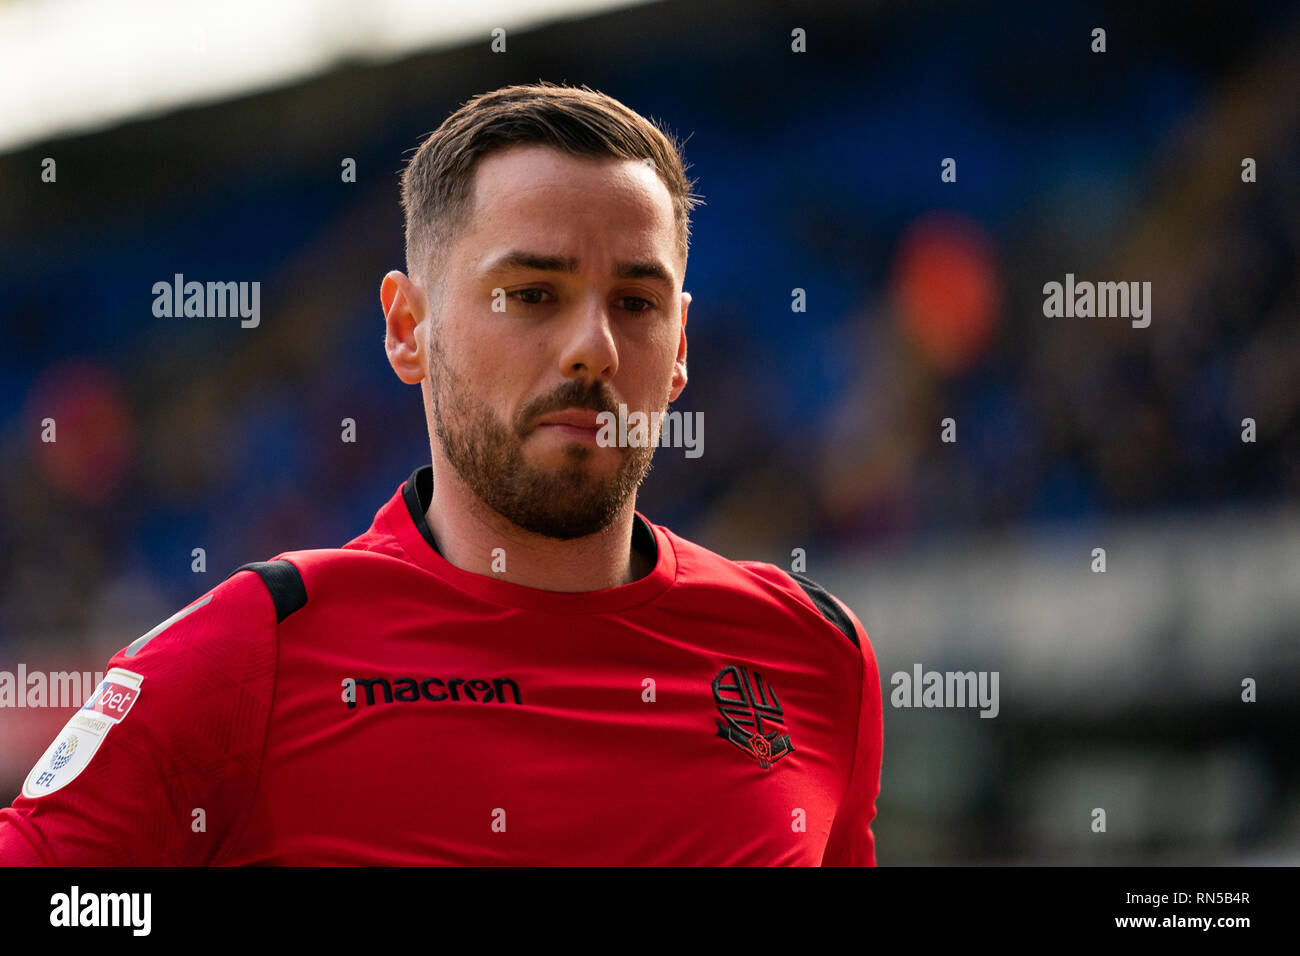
column 645, row 304
column 528, row 296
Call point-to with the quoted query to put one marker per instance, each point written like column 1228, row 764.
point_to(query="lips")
column 573, row 417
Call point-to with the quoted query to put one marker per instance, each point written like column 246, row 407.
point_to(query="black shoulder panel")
column 282, row 579
column 827, row 605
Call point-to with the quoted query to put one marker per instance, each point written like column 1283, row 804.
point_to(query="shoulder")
column 235, row 624
column 238, row 612
column 296, row 580
column 807, row 591
column 253, row 599
column 177, row 719
column 761, row 583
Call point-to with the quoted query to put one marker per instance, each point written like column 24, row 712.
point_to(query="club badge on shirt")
column 752, row 717
column 72, row 749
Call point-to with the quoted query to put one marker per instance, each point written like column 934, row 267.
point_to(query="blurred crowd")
column 823, row 426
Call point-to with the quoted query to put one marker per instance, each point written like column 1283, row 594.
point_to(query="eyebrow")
column 519, row 259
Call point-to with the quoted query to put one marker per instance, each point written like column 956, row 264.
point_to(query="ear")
column 679, row 366
column 404, row 309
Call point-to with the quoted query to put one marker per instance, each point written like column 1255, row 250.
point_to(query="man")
column 511, row 666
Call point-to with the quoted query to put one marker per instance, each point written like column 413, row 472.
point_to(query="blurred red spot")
column 946, row 285
column 92, row 425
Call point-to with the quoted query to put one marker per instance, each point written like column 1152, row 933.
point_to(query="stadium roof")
column 69, row 66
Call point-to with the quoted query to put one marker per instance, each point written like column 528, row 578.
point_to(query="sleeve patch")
column 82, row 736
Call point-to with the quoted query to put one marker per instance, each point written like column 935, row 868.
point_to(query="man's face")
column 580, row 258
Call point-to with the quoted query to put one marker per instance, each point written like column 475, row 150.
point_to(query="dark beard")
column 566, row 502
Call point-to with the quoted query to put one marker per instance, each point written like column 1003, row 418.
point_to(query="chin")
column 598, row 462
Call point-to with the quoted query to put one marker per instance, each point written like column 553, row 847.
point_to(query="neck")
column 468, row 533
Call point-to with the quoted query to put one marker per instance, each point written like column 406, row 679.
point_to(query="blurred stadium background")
column 206, row 138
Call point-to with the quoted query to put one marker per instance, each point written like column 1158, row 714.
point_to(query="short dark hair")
column 437, row 184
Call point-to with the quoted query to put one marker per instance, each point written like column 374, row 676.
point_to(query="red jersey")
column 375, row 704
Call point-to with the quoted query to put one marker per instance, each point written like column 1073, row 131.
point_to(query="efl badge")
column 752, row 717
column 78, row 741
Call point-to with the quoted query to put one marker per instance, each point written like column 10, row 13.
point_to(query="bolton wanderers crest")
column 752, row 717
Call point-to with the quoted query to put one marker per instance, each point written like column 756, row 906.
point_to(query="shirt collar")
column 407, row 514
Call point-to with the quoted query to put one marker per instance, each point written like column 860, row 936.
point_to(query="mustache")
column 597, row 396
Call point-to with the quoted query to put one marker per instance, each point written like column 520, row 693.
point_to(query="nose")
column 589, row 350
